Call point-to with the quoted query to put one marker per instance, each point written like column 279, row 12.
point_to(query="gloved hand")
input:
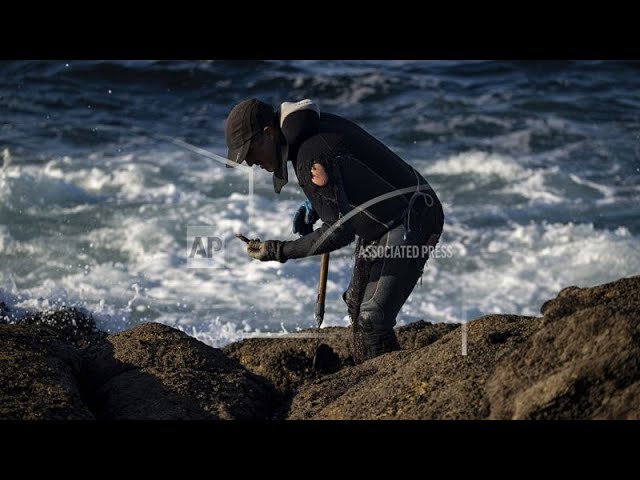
column 264, row 251
column 304, row 218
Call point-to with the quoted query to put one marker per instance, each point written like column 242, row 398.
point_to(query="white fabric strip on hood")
column 280, row 174
column 287, row 108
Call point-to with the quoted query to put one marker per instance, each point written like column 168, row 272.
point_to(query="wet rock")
column 287, row 362
column 4, row 314
column 580, row 360
column 420, row 334
column 433, row 382
column 71, row 323
column 153, row 371
column 584, row 361
column 39, row 373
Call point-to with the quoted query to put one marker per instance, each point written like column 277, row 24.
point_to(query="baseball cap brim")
column 239, row 155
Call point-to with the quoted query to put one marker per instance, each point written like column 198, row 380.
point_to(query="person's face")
column 263, row 150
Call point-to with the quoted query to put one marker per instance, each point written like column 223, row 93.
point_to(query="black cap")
column 245, row 121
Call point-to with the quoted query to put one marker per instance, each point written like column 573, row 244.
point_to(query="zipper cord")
column 412, row 200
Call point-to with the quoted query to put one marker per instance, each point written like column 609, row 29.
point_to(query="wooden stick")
column 319, row 313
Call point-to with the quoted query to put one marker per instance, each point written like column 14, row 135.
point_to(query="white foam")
column 130, row 266
column 5, row 239
column 536, row 185
column 515, row 142
column 477, row 162
column 608, row 193
column 30, row 189
column 6, row 158
column 354, row 92
column 516, row 269
column 535, row 189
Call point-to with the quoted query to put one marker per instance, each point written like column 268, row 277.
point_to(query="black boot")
column 371, row 344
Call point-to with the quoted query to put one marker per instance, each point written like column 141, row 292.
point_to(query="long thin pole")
column 319, row 311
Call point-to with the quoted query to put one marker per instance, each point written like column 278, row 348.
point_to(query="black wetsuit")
column 362, row 172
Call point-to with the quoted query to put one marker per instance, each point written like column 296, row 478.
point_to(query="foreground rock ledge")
column 38, row 376
column 580, row 359
column 148, row 372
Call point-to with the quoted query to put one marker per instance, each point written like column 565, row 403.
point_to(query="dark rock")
column 584, row 361
column 420, row 334
column 432, row 382
column 572, row 299
column 621, row 405
column 4, row 314
column 39, row 375
column 326, row 360
column 153, row 371
column 73, row 324
column 286, row 362
column 581, row 360
column 499, row 337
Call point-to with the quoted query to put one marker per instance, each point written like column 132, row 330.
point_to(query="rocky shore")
column 579, row 360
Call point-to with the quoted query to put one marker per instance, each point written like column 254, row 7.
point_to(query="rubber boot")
column 370, row 344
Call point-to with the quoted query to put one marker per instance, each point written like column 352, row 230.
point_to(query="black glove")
column 264, row 251
column 304, row 218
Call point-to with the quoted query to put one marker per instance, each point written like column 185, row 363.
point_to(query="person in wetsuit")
column 358, row 188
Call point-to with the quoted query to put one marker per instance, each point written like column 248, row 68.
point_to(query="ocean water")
column 537, row 165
